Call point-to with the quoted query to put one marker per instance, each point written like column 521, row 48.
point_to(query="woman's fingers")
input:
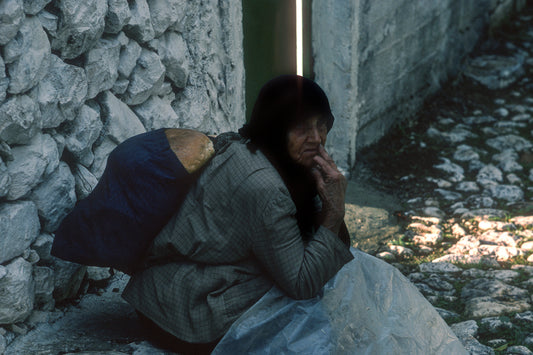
column 325, row 155
column 329, row 170
column 328, row 178
column 317, row 175
column 323, row 165
column 331, row 187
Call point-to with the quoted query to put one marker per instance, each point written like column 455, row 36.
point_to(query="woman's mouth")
column 311, row 151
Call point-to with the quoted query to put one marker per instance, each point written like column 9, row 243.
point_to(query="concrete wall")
column 379, row 60
column 76, row 79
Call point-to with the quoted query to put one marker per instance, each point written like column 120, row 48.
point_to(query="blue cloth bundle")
column 143, row 184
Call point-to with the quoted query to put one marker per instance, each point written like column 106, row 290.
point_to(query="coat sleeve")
column 300, row 269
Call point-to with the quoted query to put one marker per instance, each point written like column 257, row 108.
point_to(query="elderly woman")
column 251, row 221
column 258, row 254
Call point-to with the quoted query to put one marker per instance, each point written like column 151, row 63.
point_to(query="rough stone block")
column 101, row 152
column 164, row 13
column 156, row 113
column 68, row 278
column 146, row 78
column 509, row 193
column 19, row 227
column 455, row 171
column 44, row 285
column 20, row 119
column 30, row 54
column 95, row 273
column 465, row 153
column 495, row 324
column 501, row 12
column 87, row 158
column 82, row 23
column 175, row 56
column 5, row 180
column 439, row 268
column 118, row 15
column 4, row 80
column 489, row 175
column 509, row 142
column 122, row 123
column 84, row 131
column 128, row 58
column 140, row 25
column 101, row 66
column 120, row 87
column 33, row 7
column 191, row 109
column 85, row 181
column 37, row 317
column 49, row 22
column 16, row 292
column 55, row 197
column 493, row 288
column 61, row 93
column 31, row 256
column 466, row 332
column 12, row 15
column 43, row 246
column 30, row 163
column 490, row 307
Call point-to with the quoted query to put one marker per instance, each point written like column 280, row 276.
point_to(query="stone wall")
column 76, row 79
column 379, row 60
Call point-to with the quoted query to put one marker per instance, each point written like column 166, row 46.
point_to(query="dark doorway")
column 269, row 28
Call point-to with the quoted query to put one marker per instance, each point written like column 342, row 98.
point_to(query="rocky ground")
column 447, row 198
column 463, row 170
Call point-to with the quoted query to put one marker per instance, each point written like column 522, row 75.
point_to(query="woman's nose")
column 314, row 135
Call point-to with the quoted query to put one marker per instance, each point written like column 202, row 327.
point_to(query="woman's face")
column 304, row 138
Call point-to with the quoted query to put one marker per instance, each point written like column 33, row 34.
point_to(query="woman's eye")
column 301, row 127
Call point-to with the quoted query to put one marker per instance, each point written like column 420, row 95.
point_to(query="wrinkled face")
column 304, row 138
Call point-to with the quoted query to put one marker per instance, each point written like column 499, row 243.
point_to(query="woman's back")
column 226, row 247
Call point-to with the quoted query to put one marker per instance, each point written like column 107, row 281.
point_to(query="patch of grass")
column 449, row 238
column 517, row 260
column 401, row 240
column 480, row 266
column 519, row 228
column 416, row 260
column 527, row 165
column 524, row 276
column 528, row 195
column 457, row 306
column 506, row 218
column 514, row 335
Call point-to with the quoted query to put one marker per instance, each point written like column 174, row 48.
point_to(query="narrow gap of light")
column 299, row 39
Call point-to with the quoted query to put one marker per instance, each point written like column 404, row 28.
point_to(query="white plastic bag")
column 369, row 307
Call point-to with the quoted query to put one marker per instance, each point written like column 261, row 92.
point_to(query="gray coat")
column 234, row 237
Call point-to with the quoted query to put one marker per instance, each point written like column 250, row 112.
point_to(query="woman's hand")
column 331, row 186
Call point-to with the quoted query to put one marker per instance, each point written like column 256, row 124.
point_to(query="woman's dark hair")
column 281, row 103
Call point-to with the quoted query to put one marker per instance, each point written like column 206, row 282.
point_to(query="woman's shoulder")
column 238, row 158
column 237, row 168
column 249, row 170
column 257, row 165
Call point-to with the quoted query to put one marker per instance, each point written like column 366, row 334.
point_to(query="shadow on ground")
column 98, row 324
column 371, row 215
